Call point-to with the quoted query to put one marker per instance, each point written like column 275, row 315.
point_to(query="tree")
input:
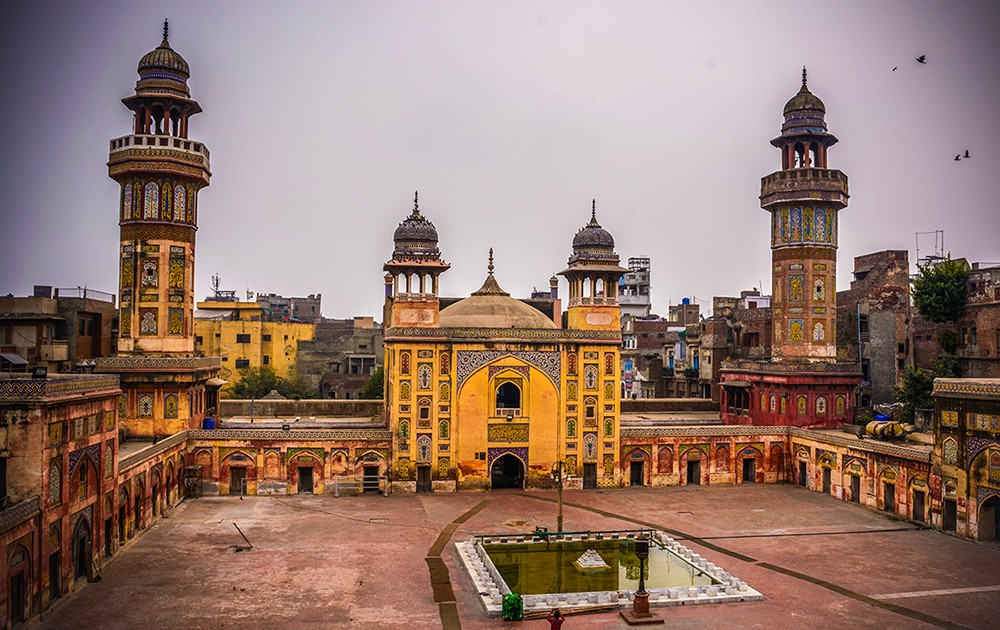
column 255, row 382
column 373, row 388
column 939, row 291
column 914, row 391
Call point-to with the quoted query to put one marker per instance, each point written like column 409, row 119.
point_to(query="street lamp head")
column 642, row 546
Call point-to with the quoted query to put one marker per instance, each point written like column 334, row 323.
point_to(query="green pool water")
column 538, row 568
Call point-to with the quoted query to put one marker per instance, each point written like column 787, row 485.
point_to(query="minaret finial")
column 803, row 76
column 166, row 29
column 416, row 203
column 593, row 211
column 490, row 266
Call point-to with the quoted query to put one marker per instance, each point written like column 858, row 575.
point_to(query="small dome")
column 415, row 234
column 804, row 100
column 493, row 311
column 164, row 58
column 593, row 235
column 804, row 112
column 163, row 71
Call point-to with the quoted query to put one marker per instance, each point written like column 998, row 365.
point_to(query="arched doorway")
column 989, row 523
column 81, row 550
column 507, row 472
column 18, row 585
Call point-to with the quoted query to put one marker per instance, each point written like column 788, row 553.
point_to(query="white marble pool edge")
column 491, row 586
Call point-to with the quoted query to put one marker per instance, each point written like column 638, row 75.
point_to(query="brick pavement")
column 321, row 562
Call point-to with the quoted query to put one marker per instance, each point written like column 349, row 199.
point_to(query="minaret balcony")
column 803, row 185
column 158, row 148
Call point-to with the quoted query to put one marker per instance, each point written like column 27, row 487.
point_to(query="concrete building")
column 61, row 331
column 242, row 338
column 633, row 289
column 277, row 308
column 873, row 323
column 341, row 357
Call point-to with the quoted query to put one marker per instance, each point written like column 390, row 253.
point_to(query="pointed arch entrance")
column 507, row 471
column 989, row 519
column 81, row 549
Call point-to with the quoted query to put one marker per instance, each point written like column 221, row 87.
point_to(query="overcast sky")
column 322, row 119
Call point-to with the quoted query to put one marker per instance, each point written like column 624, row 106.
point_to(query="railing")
column 359, row 485
column 85, row 293
column 172, row 142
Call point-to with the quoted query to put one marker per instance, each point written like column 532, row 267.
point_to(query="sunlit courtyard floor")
column 371, row 561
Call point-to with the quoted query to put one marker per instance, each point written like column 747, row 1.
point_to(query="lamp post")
column 639, row 614
column 557, row 472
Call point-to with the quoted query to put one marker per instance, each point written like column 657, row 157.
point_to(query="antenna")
column 938, row 254
column 215, row 284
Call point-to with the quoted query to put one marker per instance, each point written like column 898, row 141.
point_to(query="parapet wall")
column 320, row 408
column 635, row 405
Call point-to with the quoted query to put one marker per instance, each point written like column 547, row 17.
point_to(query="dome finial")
column 803, row 76
column 593, row 212
column 416, row 203
column 166, row 29
column 489, row 267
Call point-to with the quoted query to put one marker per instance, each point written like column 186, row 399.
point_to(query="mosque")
column 482, row 393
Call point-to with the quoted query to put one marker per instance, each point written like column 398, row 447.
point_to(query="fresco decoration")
column 147, row 321
column 819, row 290
column 404, row 390
column 801, row 405
column 175, row 321
column 571, row 390
column 949, row 452
column 571, row 363
column 424, row 376
column 150, row 275
column 590, row 446
column 444, row 466
column 795, row 287
column 795, row 226
column 404, row 429
column 444, row 392
column 128, row 271
column 609, row 363
column 125, row 322
column 146, row 406
column 571, row 428
column 609, row 427
column 819, row 332
column 523, row 370
column 180, row 203
column 151, row 204
column 444, row 430
column 403, row 467
column 424, row 448
column 175, row 273
column 821, row 405
column 404, row 362
column 590, row 377
column 609, row 465
column 445, row 363
column 840, row 405
column 795, row 332
column 550, row 363
column 507, row 432
column 170, row 406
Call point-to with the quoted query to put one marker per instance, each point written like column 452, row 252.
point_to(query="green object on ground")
column 513, row 607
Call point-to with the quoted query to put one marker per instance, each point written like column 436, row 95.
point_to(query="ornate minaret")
column 593, row 273
column 411, row 280
column 804, row 198
column 160, row 172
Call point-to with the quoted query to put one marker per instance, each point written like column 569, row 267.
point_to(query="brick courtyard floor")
column 323, row 562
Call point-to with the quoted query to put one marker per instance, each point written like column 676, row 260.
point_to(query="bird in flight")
column 958, row 157
column 894, row 68
column 922, row 59
column 966, row 156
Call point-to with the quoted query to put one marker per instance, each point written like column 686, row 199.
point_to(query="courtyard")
column 373, row 561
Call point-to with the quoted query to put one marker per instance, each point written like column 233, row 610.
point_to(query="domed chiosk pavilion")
column 491, row 391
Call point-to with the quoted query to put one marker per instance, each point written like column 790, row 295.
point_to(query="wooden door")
column 424, row 479
column 589, row 476
column 237, row 480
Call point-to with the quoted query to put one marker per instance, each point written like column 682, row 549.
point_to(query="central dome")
column 492, row 307
column 493, row 311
